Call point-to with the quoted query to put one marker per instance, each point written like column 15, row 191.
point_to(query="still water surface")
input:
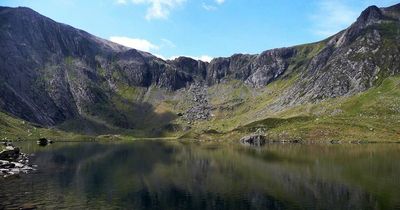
column 179, row 175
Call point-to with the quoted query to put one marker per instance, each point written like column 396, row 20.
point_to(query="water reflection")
column 175, row 175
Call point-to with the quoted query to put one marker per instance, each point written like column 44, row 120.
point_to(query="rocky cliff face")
column 354, row 59
column 34, row 77
column 255, row 70
column 52, row 72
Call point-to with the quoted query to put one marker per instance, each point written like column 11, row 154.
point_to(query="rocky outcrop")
column 44, row 142
column 254, row 140
column 13, row 162
column 255, row 70
column 269, row 66
column 10, row 153
column 195, row 68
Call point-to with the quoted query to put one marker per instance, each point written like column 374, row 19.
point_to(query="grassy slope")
column 370, row 116
column 373, row 116
column 12, row 128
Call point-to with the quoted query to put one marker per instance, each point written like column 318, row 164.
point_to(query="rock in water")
column 44, row 141
column 13, row 162
column 254, row 140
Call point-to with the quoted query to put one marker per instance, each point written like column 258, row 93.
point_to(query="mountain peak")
column 370, row 15
column 24, row 10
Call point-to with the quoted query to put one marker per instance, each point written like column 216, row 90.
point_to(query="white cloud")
column 332, row 16
column 159, row 9
column 121, row 1
column 208, row 7
column 205, row 58
column 147, row 46
column 140, row 44
column 213, row 5
column 167, row 43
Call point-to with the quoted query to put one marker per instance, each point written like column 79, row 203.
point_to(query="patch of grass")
column 389, row 29
column 305, row 53
column 271, row 123
column 229, row 92
column 130, row 93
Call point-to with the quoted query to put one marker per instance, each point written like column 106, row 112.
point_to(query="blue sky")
column 204, row 28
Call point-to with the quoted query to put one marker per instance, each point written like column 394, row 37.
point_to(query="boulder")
column 44, row 141
column 13, row 162
column 10, row 153
column 254, row 140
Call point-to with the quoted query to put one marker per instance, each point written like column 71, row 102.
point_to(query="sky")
column 204, row 29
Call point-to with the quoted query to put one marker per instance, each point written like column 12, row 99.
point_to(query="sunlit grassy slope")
column 16, row 129
column 373, row 115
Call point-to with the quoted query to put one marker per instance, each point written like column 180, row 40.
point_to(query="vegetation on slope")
column 12, row 128
column 373, row 115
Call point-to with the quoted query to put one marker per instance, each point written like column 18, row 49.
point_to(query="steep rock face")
column 138, row 70
column 31, row 44
column 270, row 65
column 255, row 70
column 51, row 72
column 195, row 68
column 217, row 70
column 353, row 60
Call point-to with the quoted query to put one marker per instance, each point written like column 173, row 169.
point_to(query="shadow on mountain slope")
column 122, row 117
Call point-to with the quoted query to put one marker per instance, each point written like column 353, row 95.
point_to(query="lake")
column 194, row 175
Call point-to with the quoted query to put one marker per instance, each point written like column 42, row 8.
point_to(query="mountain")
column 54, row 75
